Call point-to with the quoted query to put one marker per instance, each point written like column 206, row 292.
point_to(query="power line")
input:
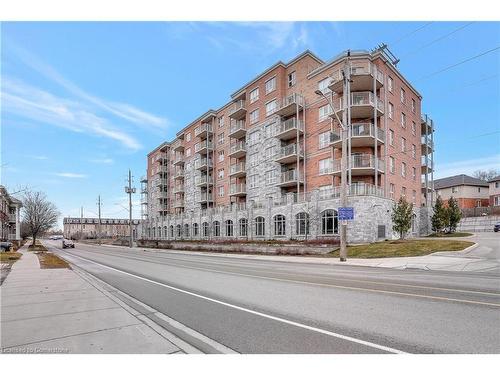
column 410, row 33
column 438, row 39
column 459, row 63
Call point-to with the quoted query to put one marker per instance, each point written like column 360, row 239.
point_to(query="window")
column 216, row 227
column 270, row 177
column 221, row 155
column 403, row 169
column 413, row 105
column 390, row 84
column 323, row 85
column 178, row 231
column 253, row 159
column 221, row 121
column 252, row 181
column 403, row 144
column 413, row 128
column 220, row 138
column 229, row 228
column 391, row 137
column 403, row 192
column 454, row 189
column 220, row 174
column 279, row 225
column 414, row 174
column 497, row 184
column 413, row 151
column 254, row 95
column 254, row 137
column 195, row 230
column 392, row 168
column 302, row 224
column 329, row 222
column 270, row 152
column 243, row 227
column 186, row 230
column 403, row 96
column 478, row 189
column 324, row 139
column 188, row 152
column 188, row 137
column 254, row 116
column 391, row 191
column 324, row 112
column 270, row 85
column 205, row 229
column 496, row 201
column 271, row 107
column 414, row 196
column 171, row 231
column 221, row 191
column 403, row 120
column 478, row 203
column 165, row 231
column 391, row 111
column 325, row 166
column 260, row 226
column 291, row 79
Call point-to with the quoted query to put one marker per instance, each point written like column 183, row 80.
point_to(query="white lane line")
column 286, row 321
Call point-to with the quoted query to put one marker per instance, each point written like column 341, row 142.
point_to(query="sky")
column 82, row 102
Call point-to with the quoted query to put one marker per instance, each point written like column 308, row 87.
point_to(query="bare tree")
column 39, row 214
column 486, row 175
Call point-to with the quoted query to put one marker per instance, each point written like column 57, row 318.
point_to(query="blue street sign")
column 346, row 213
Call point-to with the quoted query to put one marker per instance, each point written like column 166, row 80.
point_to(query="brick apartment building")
column 266, row 165
column 76, row 227
column 10, row 220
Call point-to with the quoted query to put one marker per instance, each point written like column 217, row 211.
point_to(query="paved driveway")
column 489, row 245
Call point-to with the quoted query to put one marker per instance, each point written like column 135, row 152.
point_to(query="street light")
column 343, row 164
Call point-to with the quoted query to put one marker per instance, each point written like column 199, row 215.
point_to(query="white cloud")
column 70, row 175
column 41, row 106
column 467, row 166
column 102, row 161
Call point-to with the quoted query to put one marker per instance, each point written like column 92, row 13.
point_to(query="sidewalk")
column 64, row 311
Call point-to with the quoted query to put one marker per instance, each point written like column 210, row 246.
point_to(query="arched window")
column 148, row 232
column 329, row 222
column 414, row 223
column 229, row 228
column 154, row 232
column 302, row 224
column 165, row 231
column 243, row 227
column 216, row 229
column 260, row 226
column 279, row 225
column 159, row 232
column 195, row 230
column 205, row 228
column 186, row 230
column 178, row 231
column 171, row 231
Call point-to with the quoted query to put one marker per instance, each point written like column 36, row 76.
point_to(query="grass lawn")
column 49, row 260
column 454, row 234
column 406, row 248
column 9, row 257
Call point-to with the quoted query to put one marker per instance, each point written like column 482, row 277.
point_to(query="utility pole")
column 99, row 222
column 130, row 190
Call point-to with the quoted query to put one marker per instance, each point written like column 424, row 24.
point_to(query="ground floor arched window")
column 329, row 222
column 195, row 230
column 216, row 227
column 165, row 231
column 229, row 228
column 302, row 224
column 186, row 230
column 279, row 225
column 243, row 227
column 260, row 226
column 205, row 228
column 171, row 231
column 178, row 231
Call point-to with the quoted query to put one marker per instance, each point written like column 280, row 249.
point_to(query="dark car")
column 5, row 246
column 496, row 228
column 67, row 243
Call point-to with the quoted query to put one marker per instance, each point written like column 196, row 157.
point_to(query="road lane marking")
column 236, row 307
column 336, row 286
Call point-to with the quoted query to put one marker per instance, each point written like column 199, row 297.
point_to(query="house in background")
column 494, row 192
column 10, row 221
column 470, row 192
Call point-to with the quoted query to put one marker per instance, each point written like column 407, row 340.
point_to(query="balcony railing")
column 290, row 176
column 179, row 173
column 179, row 188
column 204, row 180
column 288, row 105
column 205, row 197
column 203, row 163
column 288, row 128
column 237, row 189
column 203, row 129
column 360, row 161
column 289, row 150
column 238, row 149
column 238, row 109
column 178, row 145
column 237, row 129
column 237, row 168
column 362, row 73
column 203, row 146
column 428, row 142
column 12, row 218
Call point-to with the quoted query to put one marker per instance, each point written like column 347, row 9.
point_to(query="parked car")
column 67, row 243
column 5, row 246
column 496, row 228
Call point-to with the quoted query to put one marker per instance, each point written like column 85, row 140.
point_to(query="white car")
column 67, row 243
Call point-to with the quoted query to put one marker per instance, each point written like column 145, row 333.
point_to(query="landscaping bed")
column 453, row 234
column 50, row 260
column 38, row 247
column 406, row 248
column 9, row 256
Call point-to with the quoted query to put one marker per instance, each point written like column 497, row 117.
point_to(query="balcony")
column 238, row 110
column 203, row 164
column 178, row 145
column 289, row 105
column 362, row 135
column 204, row 180
column 288, row 154
column 203, row 147
column 362, row 76
column 361, row 165
column 237, row 129
column 237, row 190
column 427, row 146
column 238, row 150
column 179, row 160
column 203, row 131
column 178, row 203
column 362, row 105
column 426, row 166
column 12, row 218
column 204, row 197
column 290, row 178
column 357, row 188
column 289, row 129
column 179, row 174
column 426, row 125
column 178, row 189
column 237, row 170
column 161, row 182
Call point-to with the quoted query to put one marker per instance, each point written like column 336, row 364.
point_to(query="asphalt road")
column 261, row 306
